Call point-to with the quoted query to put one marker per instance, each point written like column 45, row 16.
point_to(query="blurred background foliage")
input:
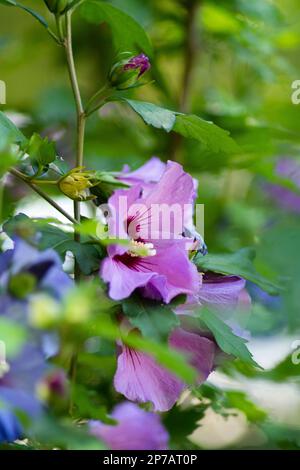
column 229, row 61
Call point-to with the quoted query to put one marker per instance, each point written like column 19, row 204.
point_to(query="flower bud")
column 53, row 386
column 126, row 73
column 57, row 6
column 76, row 184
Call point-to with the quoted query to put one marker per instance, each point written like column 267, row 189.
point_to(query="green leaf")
column 88, row 405
column 50, row 236
column 213, row 138
column 240, row 401
column 223, row 401
column 9, row 131
column 35, row 14
column 63, row 434
column 169, row 358
column 87, row 256
column 154, row 115
column 128, row 35
column 9, row 3
column 282, row 436
column 41, row 151
column 13, row 336
column 153, row 319
column 181, row 422
column 239, row 263
column 8, row 155
column 224, row 336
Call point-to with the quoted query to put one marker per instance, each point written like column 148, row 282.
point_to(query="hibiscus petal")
column 176, row 274
column 174, row 187
column 200, row 350
column 221, row 291
column 122, row 279
column 140, row 378
column 144, row 428
column 150, row 172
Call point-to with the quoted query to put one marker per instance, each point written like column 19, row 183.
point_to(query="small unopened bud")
column 57, row 6
column 126, row 73
column 77, row 183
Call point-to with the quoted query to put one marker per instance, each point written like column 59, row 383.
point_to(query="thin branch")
column 41, row 193
column 81, row 117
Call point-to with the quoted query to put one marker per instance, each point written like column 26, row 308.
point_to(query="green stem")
column 81, row 116
column 1, row 198
column 43, row 181
column 59, row 26
column 81, row 121
column 72, row 375
column 101, row 95
column 93, row 110
column 41, row 193
column 56, row 38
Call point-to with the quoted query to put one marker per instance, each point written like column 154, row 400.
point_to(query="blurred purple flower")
column 136, row 429
column 140, row 378
column 287, row 199
column 44, row 267
column 161, row 263
column 18, row 380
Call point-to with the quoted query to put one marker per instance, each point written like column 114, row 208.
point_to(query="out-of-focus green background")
column 242, row 59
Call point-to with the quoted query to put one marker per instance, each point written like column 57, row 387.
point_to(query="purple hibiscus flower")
column 157, row 254
column 136, row 429
column 18, row 380
column 147, row 176
column 287, row 199
column 140, row 378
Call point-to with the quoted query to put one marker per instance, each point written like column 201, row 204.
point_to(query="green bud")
column 126, row 73
column 22, row 285
column 57, row 6
column 76, row 184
